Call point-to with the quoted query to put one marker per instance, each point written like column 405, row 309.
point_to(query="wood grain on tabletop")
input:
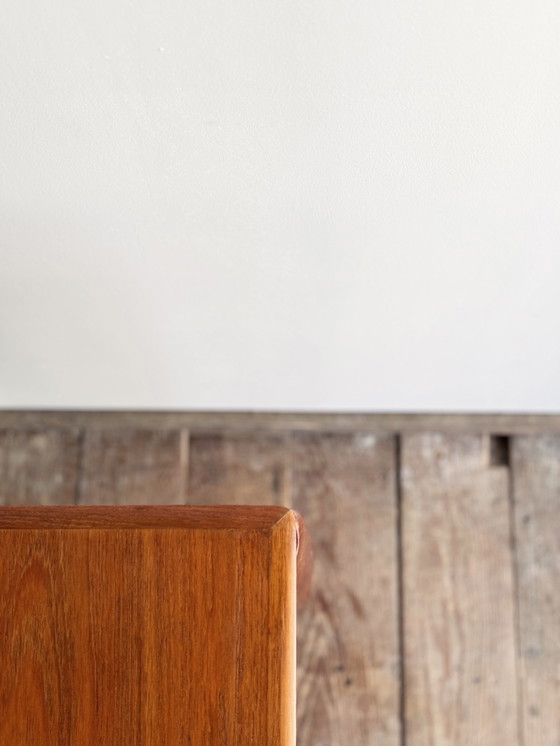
column 239, row 469
column 459, row 631
column 536, row 493
column 149, row 636
column 348, row 656
column 39, row 467
column 137, row 467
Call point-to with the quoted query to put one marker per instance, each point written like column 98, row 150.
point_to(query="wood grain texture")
column 305, row 561
column 134, row 467
column 239, row 468
column 148, row 636
column 39, row 467
column 536, row 491
column 389, row 422
column 454, row 545
column 143, row 516
column 348, row 658
column 459, row 640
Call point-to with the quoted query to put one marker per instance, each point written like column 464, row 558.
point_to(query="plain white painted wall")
column 280, row 205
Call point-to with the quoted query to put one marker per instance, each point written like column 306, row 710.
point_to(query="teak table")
column 149, row 626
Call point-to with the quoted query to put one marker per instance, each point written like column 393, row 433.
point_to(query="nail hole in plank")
column 499, row 450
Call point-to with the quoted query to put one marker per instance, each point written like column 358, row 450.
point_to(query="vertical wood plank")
column 134, row 467
column 536, row 493
column 239, row 469
column 38, row 467
column 459, row 628
column 348, row 650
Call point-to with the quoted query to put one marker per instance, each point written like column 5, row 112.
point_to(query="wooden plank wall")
column 434, row 615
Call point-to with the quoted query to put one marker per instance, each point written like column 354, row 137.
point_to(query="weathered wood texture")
column 390, row 422
column 459, row 635
column 136, row 467
column 147, row 636
column 39, row 467
column 305, row 562
column 536, row 494
column 239, row 469
column 453, row 532
column 348, row 671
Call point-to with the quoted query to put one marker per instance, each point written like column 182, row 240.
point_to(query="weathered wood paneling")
column 239, row 469
column 348, row 685
column 536, row 493
column 38, row 467
column 459, row 619
column 459, row 638
column 135, row 467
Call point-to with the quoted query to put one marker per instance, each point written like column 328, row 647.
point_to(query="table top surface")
column 148, row 625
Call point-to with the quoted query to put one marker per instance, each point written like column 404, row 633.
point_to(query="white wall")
column 281, row 205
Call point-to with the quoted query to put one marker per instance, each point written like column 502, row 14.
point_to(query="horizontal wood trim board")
column 496, row 423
